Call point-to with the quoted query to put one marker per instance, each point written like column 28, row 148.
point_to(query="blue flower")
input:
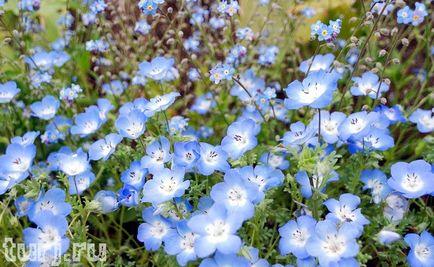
column 216, row 229
column 8, row 91
column 154, row 230
column 115, row 87
column 345, row 210
column 294, row 236
column 131, row 125
column 333, row 242
column 157, row 153
column 159, row 69
column 148, row 7
column 221, row 72
column 186, row 154
column 177, row 125
column 182, row 244
column 330, row 123
column 165, row 185
column 393, row 114
column 23, row 205
column 245, row 33
column 160, row 103
column 203, row 104
column 240, row 138
column 128, row 196
column 299, row 134
column 142, row 27
column 405, row 15
column 79, row 183
column 421, row 249
column 396, row 207
column 275, row 160
column 103, row 148
column 224, row 260
column 87, row 122
column 413, row 179
column 316, row 181
column 97, row 46
column 319, row 62
column 262, row 177
column 51, row 202
column 134, row 175
column 316, row 91
column 419, row 14
column 368, row 85
column 375, row 181
column 106, row 201
column 46, row 108
column 424, row 120
column 267, row 55
column 235, row 194
column 74, row 163
column 386, row 237
column 356, row 125
column 50, row 237
column 18, row 158
column 212, row 158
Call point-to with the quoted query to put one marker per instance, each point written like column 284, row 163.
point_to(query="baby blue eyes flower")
column 18, row 158
column 203, row 104
column 393, row 114
column 8, row 91
column 294, row 236
column 49, row 237
column 421, row 249
column 51, row 202
column 221, row 72
column 154, row 230
column 424, row 120
column 165, row 185
column 74, row 163
column 316, row 91
column 160, row 103
column 217, row 231
column 330, row 123
column 157, row 153
column 46, row 108
column 368, row 85
column 275, row 160
column 87, row 122
column 262, row 177
column 134, row 175
column 333, row 242
column 79, row 183
column 396, row 207
column 298, row 134
column 186, row 154
column 159, row 69
column 387, row 237
column 177, row 125
column 413, row 179
column 319, row 62
column 23, row 205
column 131, row 125
column 106, row 201
column 235, row 194
column 212, row 158
column 225, row 260
column 182, row 244
column 375, row 181
column 128, row 196
column 240, row 138
column 345, row 210
column 356, row 125
column 103, row 148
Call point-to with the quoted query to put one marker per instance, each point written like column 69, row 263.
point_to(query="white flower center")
column 187, row 242
column 219, row 230
column 334, row 245
column 168, row 185
column 422, row 252
column 412, row 182
column 158, row 229
column 237, row 196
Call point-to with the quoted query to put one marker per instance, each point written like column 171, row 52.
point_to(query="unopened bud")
column 405, row 42
column 396, row 61
column 383, row 101
column 170, row 10
column 387, row 81
column 181, row 34
column 382, row 53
